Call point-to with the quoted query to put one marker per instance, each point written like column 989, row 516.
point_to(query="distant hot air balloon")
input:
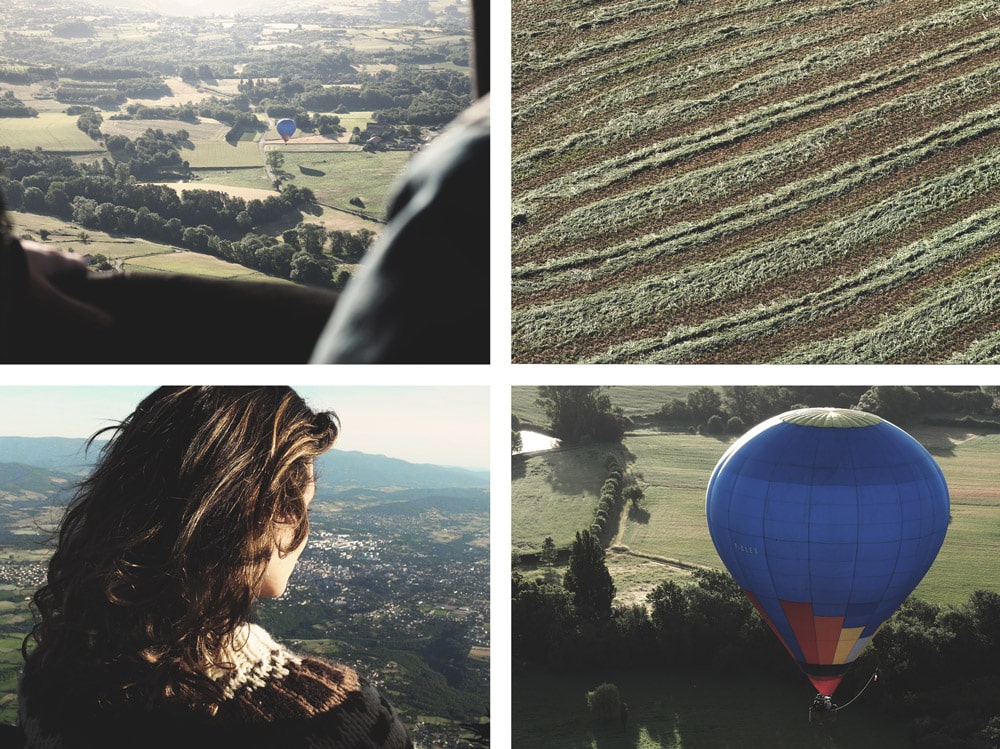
column 285, row 128
column 828, row 519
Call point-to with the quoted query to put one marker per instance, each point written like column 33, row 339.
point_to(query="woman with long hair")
column 144, row 635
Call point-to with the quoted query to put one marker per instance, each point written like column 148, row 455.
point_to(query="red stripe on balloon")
column 800, row 617
column 763, row 613
column 826, row 685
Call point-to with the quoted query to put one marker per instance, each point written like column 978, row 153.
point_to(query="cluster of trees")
column 735, row 409
column 327, row 67
column 297, row 256
column 101, row 95
column 89, row 121
column 24, row 74
column 581, row 414
column 11, row 106
column 109, row 73
column 152, row 152
column 707, row 623
column 134, row 111
column 105, row 198
column 202, row 72
column 407, row 95
column 911, row 405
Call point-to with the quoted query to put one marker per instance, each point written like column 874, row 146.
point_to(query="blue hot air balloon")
column 828, row 519
column 285, row 128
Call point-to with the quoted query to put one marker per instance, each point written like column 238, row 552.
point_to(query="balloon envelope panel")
column 827, row 519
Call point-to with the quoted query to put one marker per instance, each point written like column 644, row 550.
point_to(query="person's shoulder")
column 320, row 702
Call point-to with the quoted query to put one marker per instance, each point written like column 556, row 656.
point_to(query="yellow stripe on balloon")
column 848, row 639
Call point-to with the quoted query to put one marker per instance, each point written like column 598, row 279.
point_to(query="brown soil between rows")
column 906, row 126
column 662, row 19
column 561, row 164
column 812, row 281
column 847, row 321
column 815, row 216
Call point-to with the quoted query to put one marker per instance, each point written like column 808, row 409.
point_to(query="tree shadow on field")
column 518, row 466
column 638, row 515
column 577, row 470
column 689, row 708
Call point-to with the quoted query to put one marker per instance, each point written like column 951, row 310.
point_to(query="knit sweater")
column 274, row 698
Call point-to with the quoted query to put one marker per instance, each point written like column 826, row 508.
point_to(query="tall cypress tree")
column 588, row 579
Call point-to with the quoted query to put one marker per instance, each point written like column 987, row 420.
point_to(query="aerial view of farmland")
column 749, row 181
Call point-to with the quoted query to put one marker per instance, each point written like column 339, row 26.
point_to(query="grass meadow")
column 51, row 131
column 133, row 254
column 746, row 181
column 339, row 172
column 555, row 493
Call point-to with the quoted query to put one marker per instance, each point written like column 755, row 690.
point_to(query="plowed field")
column 744, row 181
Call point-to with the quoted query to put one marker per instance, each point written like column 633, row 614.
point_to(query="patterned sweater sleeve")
column 321, row 705
column 307, row 701
column 273, row 698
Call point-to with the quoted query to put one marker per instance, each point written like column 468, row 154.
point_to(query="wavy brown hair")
column 162, row 550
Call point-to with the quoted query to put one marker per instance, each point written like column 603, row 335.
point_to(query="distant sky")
column 440, row 425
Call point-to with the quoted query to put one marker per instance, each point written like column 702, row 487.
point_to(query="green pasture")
column 688, row 710
column 37, row 95
column 207, row 130
column 355, row 119
column 55, row 132
column 253, row 177
column 137, row 254
column 523, row 405
column 675, row 469
column 376, row 40
column 555, row 494
column 337, row 176
column 216, row 154
column 66, row 236
column 194, row 263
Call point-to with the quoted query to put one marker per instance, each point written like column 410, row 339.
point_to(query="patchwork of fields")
column 737, row 181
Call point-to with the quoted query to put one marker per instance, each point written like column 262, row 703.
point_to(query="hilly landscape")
column 145, row 140
column 394, row 580
column 738, row 181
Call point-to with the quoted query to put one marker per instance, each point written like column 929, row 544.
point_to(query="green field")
column 339, row 174
column 218, row 154
column 556, row 493
column 688, row 710
column 745, row 181
column 207, row 130
column 196, row 264
column 51, row 131
column 135, row 254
